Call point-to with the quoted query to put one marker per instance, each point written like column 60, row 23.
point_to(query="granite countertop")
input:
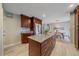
column 41, row 37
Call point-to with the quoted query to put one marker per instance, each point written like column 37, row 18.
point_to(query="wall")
column 65, row 25
column 1, row 28
column 55, row 19
column 72, row 27
column 65, row 28
column 11, row 30
column 51, row 26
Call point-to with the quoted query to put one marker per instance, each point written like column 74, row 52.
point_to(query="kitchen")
column 36, row 30
column 32, row 34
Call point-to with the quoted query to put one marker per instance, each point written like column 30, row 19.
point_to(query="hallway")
column 61, row 49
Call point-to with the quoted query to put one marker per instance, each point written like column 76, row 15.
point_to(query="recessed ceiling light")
column 71, row 5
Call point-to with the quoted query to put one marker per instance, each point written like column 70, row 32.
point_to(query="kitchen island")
column 41, row 45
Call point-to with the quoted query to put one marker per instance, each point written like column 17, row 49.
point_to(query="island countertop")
column 41, row 45
column 41, row 37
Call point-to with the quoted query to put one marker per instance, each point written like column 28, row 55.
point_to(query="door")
column 77, row 28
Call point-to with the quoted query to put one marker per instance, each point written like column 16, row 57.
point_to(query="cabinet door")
column 46, row 47
column 34, row 48
column 25, row 21
column 24, row 38
column 37, row 24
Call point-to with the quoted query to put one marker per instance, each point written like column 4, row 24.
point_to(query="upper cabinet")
column 25, row 21
column 38, row 21
column 30, row 22
column 37, row 26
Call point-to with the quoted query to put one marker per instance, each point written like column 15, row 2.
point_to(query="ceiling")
column 48, row 12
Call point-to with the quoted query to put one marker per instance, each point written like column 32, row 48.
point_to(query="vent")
column 8, row 14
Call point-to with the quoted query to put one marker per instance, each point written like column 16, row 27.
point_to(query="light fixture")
column 70, row 6
column 43, row 16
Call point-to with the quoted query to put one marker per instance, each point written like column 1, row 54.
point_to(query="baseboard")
column 10, row 45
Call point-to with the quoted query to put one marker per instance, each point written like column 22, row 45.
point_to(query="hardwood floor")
column 61, row 49
column 19, row 50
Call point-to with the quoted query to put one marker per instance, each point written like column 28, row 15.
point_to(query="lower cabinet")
column 24, row 37
column 47, row 46
column 34, row 48
column 41, row 49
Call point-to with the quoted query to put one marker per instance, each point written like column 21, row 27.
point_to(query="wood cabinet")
column 77, row 27
column 47, row 46
column 25, row 21
column 39, row 22
column 24, row 37
column 28, row 22
column 34, row 48
column 41, row 49
column 36, row 20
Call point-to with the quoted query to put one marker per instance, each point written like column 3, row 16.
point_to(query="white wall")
column 54, row 20
column 65, row 30
column 1, row 28
column 11, row 30
column 65, row 25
